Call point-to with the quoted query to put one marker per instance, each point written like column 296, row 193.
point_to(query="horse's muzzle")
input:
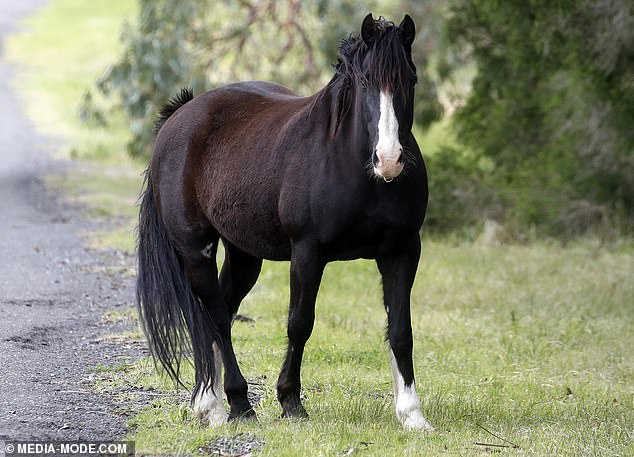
column 388, row 168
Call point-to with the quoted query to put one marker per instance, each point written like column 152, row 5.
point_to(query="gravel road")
column 53, row 292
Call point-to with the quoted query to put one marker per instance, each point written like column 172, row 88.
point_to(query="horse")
column 333, row 176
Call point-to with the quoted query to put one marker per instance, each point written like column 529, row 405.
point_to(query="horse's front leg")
column 306, row 272
column 398, row 271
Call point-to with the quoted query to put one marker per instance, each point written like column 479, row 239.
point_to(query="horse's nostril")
column 400, row 158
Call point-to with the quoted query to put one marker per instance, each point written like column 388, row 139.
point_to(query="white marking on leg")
column 208, row 406
column 388, row 146
column 406, row 401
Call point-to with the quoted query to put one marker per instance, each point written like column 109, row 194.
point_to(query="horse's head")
column 388, row 91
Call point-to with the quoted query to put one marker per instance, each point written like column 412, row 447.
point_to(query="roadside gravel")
column 53, row 291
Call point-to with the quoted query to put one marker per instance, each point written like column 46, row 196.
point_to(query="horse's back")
column 253, row 108
column 260, row 88
column 238, row 120
column 248, row 98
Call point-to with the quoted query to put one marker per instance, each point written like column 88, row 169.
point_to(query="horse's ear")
column 407, row 30
column 368, row 30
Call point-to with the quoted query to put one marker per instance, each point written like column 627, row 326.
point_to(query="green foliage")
column 460, row 195
column 552, row 107
column 156, row 60
column 205, row 43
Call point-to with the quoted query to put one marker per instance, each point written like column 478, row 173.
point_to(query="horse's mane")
column 390, row 68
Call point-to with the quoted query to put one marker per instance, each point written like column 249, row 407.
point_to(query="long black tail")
column 173, row 317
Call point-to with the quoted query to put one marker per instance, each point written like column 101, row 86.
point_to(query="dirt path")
column 52, row 291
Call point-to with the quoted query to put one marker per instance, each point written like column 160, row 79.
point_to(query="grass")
column 531, row 343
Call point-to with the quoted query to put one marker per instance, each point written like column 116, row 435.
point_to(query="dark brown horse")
column 334, row 176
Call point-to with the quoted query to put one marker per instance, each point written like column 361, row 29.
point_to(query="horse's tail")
column 173, row 317
column 186, row 94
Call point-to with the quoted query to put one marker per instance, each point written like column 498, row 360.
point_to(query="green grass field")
column 532, row 343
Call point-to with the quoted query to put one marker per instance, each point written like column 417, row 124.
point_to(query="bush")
column 552, row 109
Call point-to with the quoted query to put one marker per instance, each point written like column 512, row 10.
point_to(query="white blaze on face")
column 406, row 399
column 388, row 147
column 208, row 405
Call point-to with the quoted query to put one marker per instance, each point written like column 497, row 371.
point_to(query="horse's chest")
column 368, row 228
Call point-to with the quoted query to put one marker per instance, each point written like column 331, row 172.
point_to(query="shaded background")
column 525, row 108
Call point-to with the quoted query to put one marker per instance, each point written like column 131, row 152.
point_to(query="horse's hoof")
column 248, row 415
column 416, row 421
column 212, row 418
column 209, row 410
column 298, row 412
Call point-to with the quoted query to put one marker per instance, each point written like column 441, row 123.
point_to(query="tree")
column 156, row 59
column 552, row 106
column 205, row 43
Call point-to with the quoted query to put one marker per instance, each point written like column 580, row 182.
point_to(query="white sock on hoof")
column 407, row 403
column 208, row 406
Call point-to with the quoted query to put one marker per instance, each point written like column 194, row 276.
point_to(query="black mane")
column 389, row 68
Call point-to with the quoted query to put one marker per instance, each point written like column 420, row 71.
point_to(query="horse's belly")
column 261, row 245
column 257, row 233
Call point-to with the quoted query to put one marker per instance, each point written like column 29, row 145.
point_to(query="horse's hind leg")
column 202, row 273
column 208, row 406
column 239, row 273
column 200, row 266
